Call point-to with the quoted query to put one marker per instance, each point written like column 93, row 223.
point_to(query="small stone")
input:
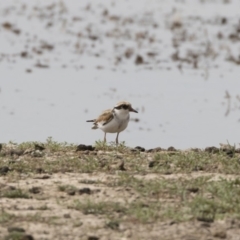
column 173, row 149
column 35, row 190
column 152, row 164
column 4, row 170
column 149, row 150
column 157, row 149
column 193, row 189
column 93, row 238
column 90, row 148
column 85, row 191
column 71, row 192
column 230, row 153
column 83, row 147
column 39, row 147
column 141, row 149
column 212, row 149
column 43, row 177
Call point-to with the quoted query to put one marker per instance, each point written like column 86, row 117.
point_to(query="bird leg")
column 117, row 138
column 105, row 139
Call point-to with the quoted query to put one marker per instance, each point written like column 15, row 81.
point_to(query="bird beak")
column 132, row 110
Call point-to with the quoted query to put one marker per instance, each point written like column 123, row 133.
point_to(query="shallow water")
column 178, row 106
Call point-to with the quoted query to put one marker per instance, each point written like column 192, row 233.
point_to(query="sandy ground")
column 60, row 222
column 50, row 212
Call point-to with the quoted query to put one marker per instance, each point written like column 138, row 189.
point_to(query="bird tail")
column 95, row 126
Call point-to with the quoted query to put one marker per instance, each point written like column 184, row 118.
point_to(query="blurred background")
column 177, row 61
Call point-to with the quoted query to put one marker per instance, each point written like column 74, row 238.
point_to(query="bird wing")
column 105, row 117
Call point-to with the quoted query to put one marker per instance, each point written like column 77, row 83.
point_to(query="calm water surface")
column 177, row 107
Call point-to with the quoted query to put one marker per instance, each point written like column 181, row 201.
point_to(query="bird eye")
column 125, row 106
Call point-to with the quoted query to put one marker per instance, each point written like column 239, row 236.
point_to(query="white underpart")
column 118, row 123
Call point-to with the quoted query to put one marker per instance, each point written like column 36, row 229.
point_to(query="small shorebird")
column 114, row 120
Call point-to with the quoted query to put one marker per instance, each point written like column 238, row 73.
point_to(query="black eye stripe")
column 123, row 106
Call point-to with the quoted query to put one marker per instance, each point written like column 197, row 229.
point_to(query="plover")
column 114, row 120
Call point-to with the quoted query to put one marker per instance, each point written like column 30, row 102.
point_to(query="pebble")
column 82, row 147
column 141, row 149
column 93, row 238
column 39, row 147
column 173, row 149
column 71, row 192
column 35, row 190
column 4, row 170
column 85, row 191
column 212, row 149
column 152, row 164
column 157, row 149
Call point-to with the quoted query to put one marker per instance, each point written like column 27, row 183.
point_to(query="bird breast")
column 117, row 124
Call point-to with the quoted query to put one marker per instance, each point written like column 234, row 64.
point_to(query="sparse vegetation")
column 14, row 193
column 118, row 186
